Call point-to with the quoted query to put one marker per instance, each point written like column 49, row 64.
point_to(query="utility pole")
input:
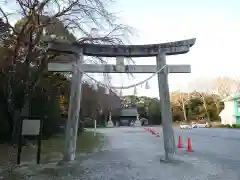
column 166, row 114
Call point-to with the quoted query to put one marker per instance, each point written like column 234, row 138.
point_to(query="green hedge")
column 228, row 126
column 236, row 126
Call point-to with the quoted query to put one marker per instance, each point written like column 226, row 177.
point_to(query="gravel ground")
column 131, row 153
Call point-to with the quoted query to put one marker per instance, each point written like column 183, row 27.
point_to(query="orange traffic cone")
column 180, row 145
column 189, row 149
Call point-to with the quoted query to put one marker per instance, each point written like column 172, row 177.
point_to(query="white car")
column 200, row 125
column 203, row 125
column 194, row 125
column 185, row 126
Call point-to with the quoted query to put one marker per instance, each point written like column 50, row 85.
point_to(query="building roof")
column 232, row 97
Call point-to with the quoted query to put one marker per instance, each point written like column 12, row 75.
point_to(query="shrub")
column 228, row 126
column 236, row 126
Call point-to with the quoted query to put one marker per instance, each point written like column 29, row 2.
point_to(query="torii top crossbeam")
column 170, row 48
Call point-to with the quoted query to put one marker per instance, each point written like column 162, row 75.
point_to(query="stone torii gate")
column 160, row 51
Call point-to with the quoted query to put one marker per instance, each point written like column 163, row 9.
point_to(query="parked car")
column 185, row 126
column 194, row 125
column 203, row 125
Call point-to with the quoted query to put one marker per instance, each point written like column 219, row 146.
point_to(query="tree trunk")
column 81, row 122
column 183, row 108
column 205, row 107
column 9, row 120
column 217, row 106
column 16, row 125
column 16, row 119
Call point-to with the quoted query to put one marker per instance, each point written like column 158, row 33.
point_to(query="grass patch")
column 86, row 143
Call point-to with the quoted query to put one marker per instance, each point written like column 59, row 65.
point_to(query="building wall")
column 229, row 107
column 128, row 112
column 236, row 110
column 228, row 113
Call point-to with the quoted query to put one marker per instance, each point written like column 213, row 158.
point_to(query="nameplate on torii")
column 108, row 68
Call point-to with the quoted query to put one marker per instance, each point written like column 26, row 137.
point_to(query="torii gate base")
column 158, row 50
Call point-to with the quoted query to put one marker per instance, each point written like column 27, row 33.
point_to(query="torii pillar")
column 166, row 114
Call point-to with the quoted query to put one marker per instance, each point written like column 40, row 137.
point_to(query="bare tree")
column 224, row 86
column 28, row 50
column 202, row 96
column 180, row 99
column 221, row 85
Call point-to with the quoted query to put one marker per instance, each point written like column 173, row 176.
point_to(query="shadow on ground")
column 87, row 143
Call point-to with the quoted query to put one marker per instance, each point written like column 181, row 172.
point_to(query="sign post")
column 30, row 126
column 95, row 127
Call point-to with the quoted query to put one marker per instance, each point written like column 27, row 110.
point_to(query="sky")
column 214, row 23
